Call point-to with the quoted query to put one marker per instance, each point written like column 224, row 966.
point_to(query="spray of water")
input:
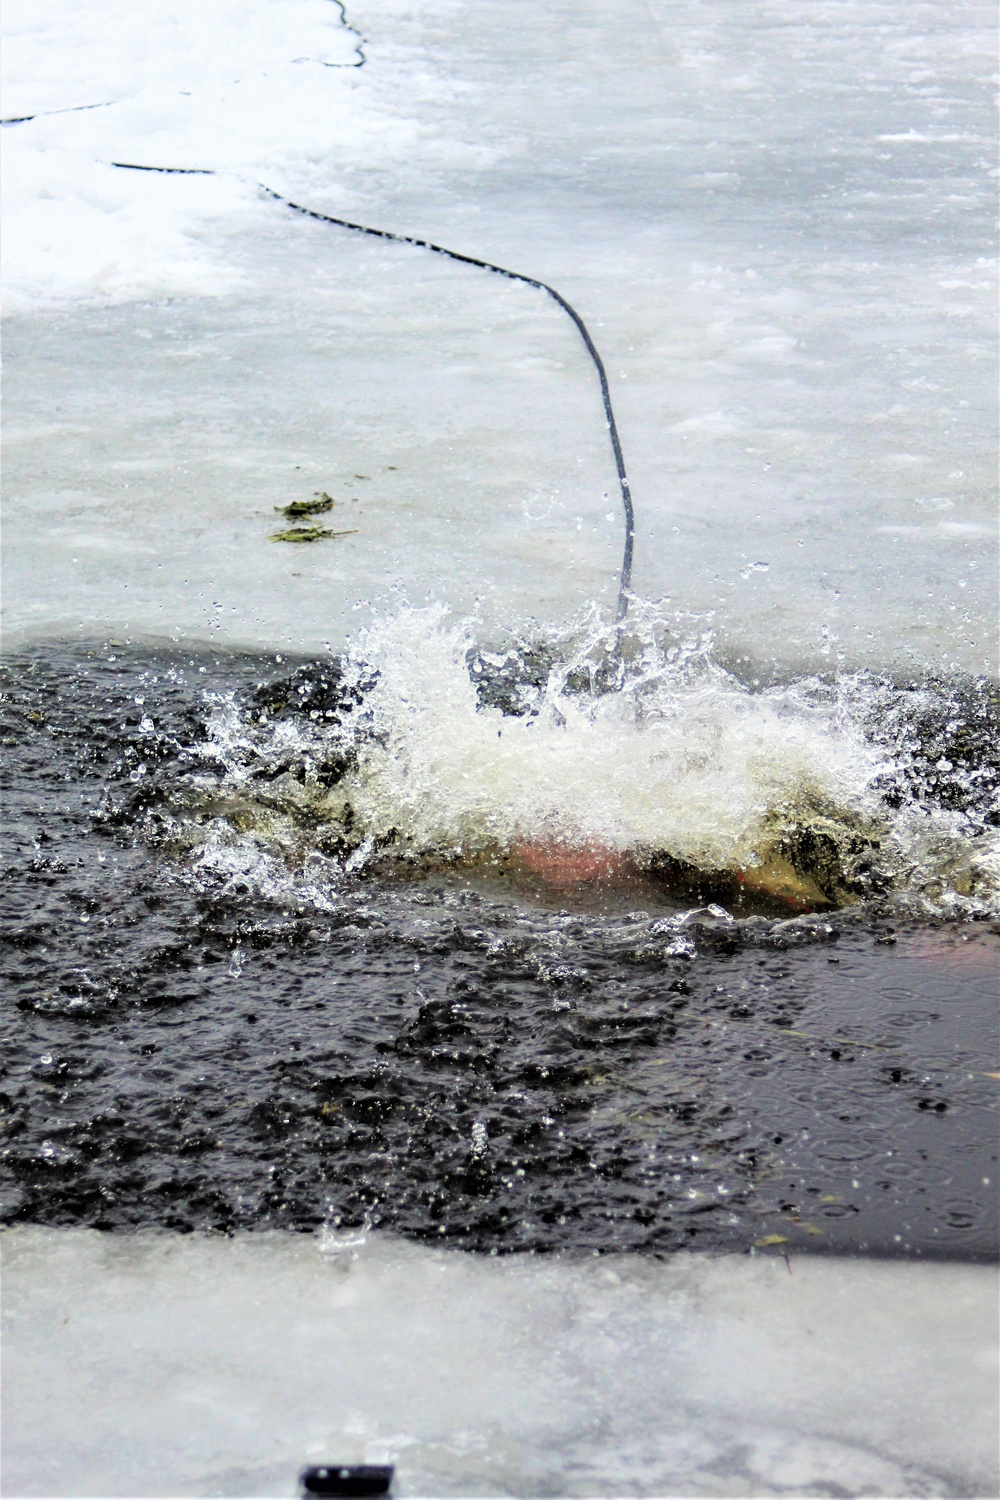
column 582, row 755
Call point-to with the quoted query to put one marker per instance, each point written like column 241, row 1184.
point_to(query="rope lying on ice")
column 359, row 46
column 567, row 307
column 73, row 109
column 625, row 579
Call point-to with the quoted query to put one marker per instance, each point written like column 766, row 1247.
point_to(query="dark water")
column 452, row 1053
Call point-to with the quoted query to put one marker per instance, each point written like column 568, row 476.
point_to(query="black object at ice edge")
column 346, row 1479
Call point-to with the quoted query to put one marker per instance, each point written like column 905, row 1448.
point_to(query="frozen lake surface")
column 171, row 1365
column 372, row 881
column 777, row 222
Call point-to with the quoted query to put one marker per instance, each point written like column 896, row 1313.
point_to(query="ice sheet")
column 183, row 1365
column 777, row 224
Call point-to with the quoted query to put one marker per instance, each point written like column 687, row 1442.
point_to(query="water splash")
column 586, row 756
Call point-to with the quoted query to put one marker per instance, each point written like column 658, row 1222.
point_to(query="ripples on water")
column 568, row 943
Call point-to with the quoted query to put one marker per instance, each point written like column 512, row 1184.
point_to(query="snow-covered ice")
column 776, row 220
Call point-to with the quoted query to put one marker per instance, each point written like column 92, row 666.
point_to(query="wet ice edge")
column 168, row 1364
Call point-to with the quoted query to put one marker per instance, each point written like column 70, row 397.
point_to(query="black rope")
column 134, row 166
column 625, row 580
column 74, row 109
column 359, row 46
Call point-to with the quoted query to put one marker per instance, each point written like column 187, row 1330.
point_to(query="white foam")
column 682, row 760
column 183, row 1365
